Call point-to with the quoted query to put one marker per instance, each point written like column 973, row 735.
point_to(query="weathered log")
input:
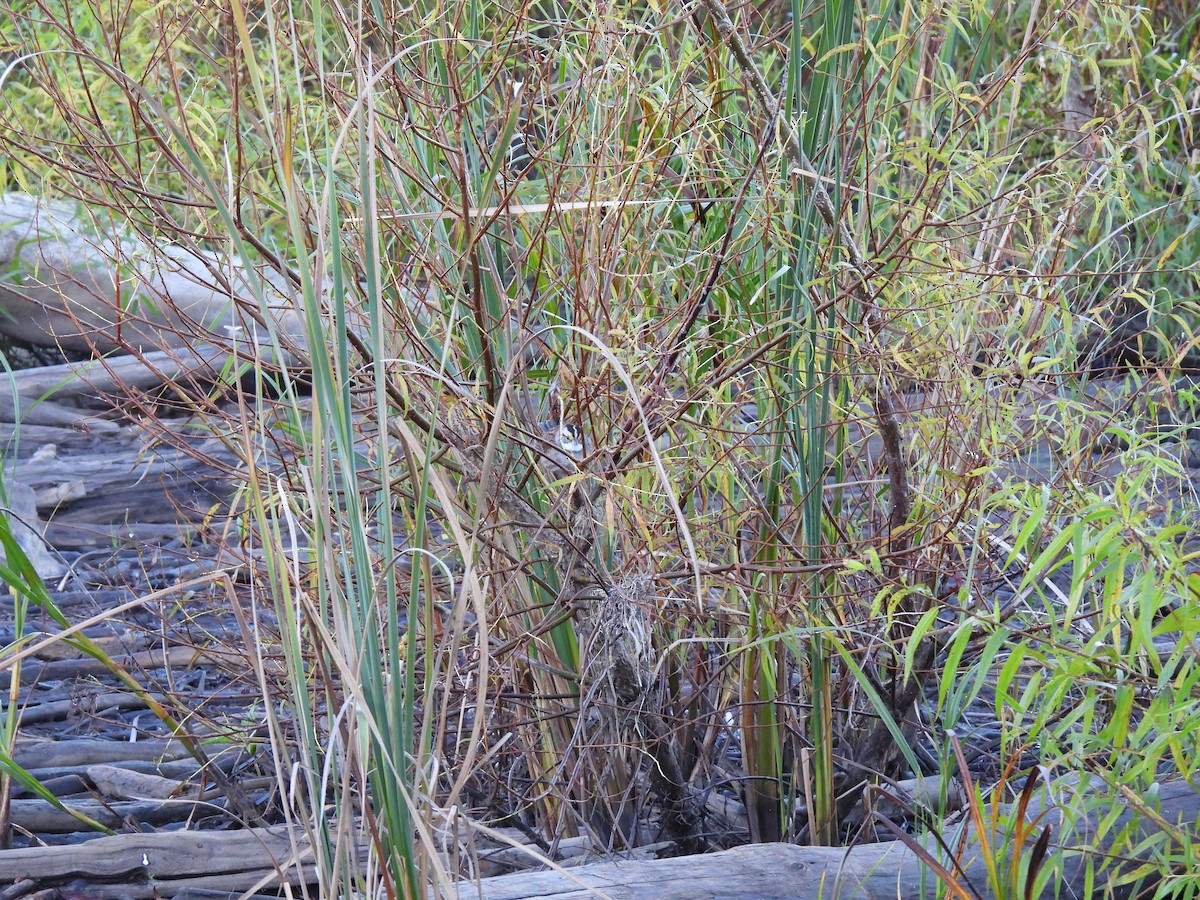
column 41, row 817
column 79, row 389
column 50, row 754
column 180, row 854
column 64, row 600
column 865, row 872
column 123, row 477
column 123, row 784
column 24, row 439
column 181, row 657
column 180, row 770
column 62, row 786
column 125, row 641
column 203, row 893
column 63, row 780
column 53, row 710
column 112, row 376
column 764, row 871
column 203, row 888
column 18, row 889
column 232, row 886
column 81, row 535
column 76, row 281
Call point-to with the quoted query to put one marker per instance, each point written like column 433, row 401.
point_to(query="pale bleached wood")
column 49, row 754
column 883, row 871
column 116, row 374
column 78, row 281
column 207, row 887
column 123, row 784
column 126, row 481
column 180, row 657
column 177, row 854
column 28, row 530
column 762, row 871
column 40, row 713
column 124, row 641
column 42, row 817
column 179, row 770
column 81, row 388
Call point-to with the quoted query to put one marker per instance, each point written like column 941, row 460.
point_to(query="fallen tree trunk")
column 73, row 280
column 255, row 851
column 41, row 817
column 883, row 871
column 96, row 384
column 1140, row 831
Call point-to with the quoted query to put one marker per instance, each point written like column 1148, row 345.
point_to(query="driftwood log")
column 161, row 865
column 72, row 394
column 75, row 279
column 71, row 458
column 167, row 864
column 872, row 871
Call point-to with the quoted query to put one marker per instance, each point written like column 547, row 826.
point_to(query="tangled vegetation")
column 763, row 404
